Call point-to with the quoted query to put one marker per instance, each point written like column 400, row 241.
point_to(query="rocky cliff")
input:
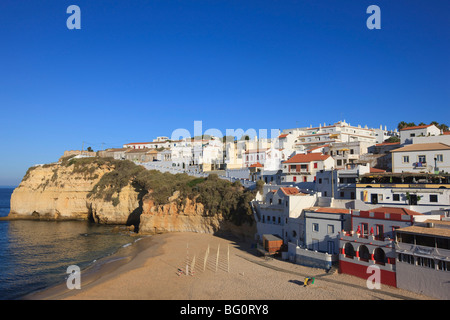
column 106, row 192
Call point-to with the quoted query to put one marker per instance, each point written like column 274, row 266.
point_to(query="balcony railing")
column 419, row 165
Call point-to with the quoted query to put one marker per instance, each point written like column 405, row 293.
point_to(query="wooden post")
column 228, row 259
column 217, row 258
column 187, row 258
column 206, row 258
column 193, row 266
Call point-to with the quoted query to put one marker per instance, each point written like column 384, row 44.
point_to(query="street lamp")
column 436, row 170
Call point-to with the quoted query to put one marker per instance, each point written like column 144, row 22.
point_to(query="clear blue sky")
column 142, row 68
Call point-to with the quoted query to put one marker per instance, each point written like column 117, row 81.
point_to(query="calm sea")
column 35, row 254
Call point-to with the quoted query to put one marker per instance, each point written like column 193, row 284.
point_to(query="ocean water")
column 35, row 255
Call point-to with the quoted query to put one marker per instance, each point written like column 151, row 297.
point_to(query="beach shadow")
column 300, row 283
column 134, row 219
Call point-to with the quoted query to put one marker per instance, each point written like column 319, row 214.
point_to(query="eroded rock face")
column 175, row 216
column 105, row 212
column 53, row 192
column 57, row 192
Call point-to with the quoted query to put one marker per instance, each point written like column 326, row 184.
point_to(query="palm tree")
column 402, row 125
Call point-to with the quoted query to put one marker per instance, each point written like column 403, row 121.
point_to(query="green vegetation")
column 403, row 124
column 392, row 139
column 218, row 196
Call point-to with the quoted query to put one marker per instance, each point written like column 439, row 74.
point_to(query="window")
column 339, row 162
column 320, row 180
column 294, row 178
column 352, row 151
column 380, row 231
column 439, row 158
column 433, row 198
column 422, row 159
column 364, row 228
column 279, row 201
column 315, row 165
column 330, row 229
column 405, row 159
column 315, row 227
column 342, row 194
column 396, row 197
column 412, row 134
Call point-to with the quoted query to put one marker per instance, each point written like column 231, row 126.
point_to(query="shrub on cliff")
column 232, row 200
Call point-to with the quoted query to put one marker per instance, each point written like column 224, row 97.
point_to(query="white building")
column 407, row 134
column 423, row 157
column 340, row 184
column 279, row 213
column 160, row 143
column 270, row 158
column 307, row 138
column 414, row 192
column 303, row 167
column 322, row 227
column 345, row 153
column 423, row 254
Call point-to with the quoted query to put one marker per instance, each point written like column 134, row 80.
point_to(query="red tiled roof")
column 289, row 190
column 446, row 132
column 397, row 210
column 302, row 158
column 332, row 210
column 416, row 127
column 376, row 170
column 282, row 136
column 256, row 165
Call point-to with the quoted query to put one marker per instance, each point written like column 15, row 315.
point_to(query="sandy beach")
column 151, row 270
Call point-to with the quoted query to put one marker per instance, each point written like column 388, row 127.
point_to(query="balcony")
column 420, row 165
column 294, row 171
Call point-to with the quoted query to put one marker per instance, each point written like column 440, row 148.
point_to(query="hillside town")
column 336, row 196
